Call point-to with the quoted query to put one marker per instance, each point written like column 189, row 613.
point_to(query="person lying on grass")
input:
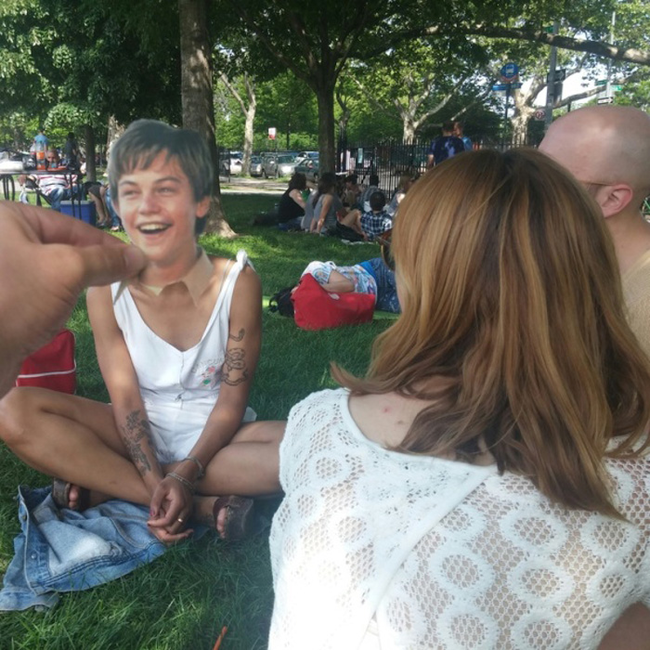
column 177, row 348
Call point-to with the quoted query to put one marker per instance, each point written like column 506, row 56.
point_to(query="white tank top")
column 179, row 387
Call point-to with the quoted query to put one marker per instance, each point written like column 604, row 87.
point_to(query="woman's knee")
column 17, row 409
column 270, row 431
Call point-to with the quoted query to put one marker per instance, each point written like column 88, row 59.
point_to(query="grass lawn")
column 183, row 599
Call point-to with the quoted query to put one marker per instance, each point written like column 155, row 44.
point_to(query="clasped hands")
column 171, row 508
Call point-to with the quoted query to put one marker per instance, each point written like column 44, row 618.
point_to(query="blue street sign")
column 507, row 86
column 509, row 71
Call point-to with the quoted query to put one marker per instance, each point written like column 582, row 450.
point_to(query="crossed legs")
column 75, row 439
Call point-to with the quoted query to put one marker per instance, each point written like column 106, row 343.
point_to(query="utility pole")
column 550, row 84
column 608, row 89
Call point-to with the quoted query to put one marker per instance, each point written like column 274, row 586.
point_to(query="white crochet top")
column 372, row 548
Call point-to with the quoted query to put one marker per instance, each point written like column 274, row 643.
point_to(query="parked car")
column 231, row 165
column 302, row 155
column 309, row 167
column 14, row 162
column 255, row 168
column 282, row 165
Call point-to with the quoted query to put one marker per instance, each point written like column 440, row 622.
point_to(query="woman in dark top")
column 292, row 206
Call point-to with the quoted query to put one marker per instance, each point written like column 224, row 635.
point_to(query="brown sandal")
column 240, row 517
column 61, row 495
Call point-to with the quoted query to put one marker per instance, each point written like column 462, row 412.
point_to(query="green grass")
column 182, row 600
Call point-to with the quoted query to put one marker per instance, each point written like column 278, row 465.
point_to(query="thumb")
column 155, row 504
column 105, row 264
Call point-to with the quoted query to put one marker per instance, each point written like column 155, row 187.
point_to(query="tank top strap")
column 231, row 273
column 242, row 259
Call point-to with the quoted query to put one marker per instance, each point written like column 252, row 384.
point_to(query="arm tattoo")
column 239, row 336
column 134, row 431
column 234, row 371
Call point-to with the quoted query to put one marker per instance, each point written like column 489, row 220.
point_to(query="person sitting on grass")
column 377, row 221
column 372, row 224
column 405, row 183
column 485, row 485
column 177, row 348
column 328, row 207
column 291, row 208
column 351, row 192
column 373, row 186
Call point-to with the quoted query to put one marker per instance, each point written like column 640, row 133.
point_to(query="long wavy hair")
column 510, row 291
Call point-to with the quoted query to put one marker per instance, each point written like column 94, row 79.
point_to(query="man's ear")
column 613, row 199
column 203, row 207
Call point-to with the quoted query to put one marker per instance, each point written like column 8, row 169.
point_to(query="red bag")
column 52, row 366
column 315, row 309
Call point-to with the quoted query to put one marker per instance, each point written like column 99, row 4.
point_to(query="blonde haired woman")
column 485, row 485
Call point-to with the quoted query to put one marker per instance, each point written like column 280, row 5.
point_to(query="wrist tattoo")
column 239, row 336
column 234, row 371
column 135, row 430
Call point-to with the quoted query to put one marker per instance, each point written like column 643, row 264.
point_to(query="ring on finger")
column 180, row 520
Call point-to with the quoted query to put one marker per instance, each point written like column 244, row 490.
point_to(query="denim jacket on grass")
column 62, row 550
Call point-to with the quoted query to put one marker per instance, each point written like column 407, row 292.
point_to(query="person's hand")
column 46, row 260
column 170, row 509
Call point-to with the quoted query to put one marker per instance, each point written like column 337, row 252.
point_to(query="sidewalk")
column 245, row 185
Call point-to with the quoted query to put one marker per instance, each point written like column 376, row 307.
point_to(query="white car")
column 232, row 165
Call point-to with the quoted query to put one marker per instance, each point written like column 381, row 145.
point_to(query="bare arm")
column 297, row 197
column 122, row 383
column 631, row 631
column 325, row 208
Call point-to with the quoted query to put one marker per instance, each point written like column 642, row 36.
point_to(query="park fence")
column 389, row 160
column 392, row 158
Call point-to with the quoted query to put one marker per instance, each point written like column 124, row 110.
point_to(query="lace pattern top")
column 433, row 553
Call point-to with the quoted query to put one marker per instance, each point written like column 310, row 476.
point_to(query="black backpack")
column 281, row 302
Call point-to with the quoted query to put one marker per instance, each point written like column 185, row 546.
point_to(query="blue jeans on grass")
column 386, row 287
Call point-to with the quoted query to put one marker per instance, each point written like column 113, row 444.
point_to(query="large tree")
column 419, row 81
column 314, row 41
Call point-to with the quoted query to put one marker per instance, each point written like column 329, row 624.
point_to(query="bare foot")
column 204, row 513
column 77, row 500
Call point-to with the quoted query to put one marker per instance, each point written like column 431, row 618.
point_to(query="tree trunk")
column 248, row 137
column 114, row 131
column 408, row 128
column 197, row 95
column 91, row 169
column 325, row 97
column 520, row 127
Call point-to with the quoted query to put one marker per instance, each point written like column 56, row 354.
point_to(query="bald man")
column 607, row 148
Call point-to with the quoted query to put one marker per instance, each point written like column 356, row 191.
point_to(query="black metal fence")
column 389, row 160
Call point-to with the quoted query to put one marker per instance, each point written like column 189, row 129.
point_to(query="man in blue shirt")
column 446, row 146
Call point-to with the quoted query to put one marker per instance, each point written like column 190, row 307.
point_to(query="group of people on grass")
column 484, row 485
column 340, row 207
